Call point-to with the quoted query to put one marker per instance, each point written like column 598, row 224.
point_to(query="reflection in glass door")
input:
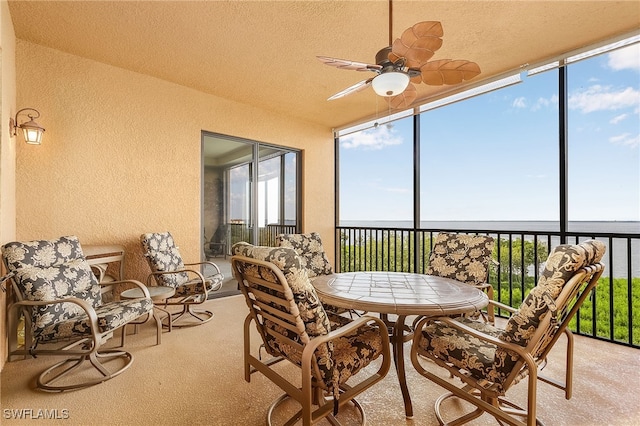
column 239, row 203
column 277, row 193
column 234, row 209
column 226, row 203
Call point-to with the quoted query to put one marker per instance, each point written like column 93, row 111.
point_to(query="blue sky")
column 494, row 157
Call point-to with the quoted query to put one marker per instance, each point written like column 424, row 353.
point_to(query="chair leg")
column 296, row 417
column 135, row 325
column 201, row 317
column 460, row 420
column 61, row 369
column 159, row 324
column 277, row 403
column 502, row 404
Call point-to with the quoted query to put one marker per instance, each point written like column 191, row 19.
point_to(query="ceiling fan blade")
column 348, row 65
column 352, row 89
column 404, row 99
column 417, row 44
column 427, row 29
column 447, row 71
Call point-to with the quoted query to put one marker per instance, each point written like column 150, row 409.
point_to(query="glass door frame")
column 254, row 167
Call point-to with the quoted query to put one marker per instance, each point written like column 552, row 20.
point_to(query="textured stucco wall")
column 7, row 149
column 121, row 154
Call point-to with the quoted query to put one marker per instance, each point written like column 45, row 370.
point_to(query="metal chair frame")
column 284, row 312
column 187, row 302
column 77, row 350
column 486, row 395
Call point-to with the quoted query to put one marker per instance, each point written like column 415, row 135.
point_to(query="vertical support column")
column 563, row 138
column 336, row 173
column 417, row 253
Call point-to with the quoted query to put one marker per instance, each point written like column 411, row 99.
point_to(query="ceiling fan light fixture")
column 390, row 83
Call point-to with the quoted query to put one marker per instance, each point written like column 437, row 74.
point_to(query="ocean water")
column 625, row 227
column 621, row 257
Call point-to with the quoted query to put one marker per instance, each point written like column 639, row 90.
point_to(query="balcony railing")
column 612, row 313
column 266, row 234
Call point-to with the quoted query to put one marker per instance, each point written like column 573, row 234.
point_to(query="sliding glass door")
column 233, row 207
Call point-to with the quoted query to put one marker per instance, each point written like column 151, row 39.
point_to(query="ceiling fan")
column 406, row 61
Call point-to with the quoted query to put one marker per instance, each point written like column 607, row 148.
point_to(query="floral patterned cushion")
column 561, row 264
column 163, row 256
column 311, row 310
column 49, row 270
column 485, row 360
column 355, row 350
column 309, row 247
column 110, row 317
column 461, row 257
column 341, row 358
column 461, row 349
column 313, row 315
column 195, row 287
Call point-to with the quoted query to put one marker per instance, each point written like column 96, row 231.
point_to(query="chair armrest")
column 523, row 354
column 201, row 277
column 177, row 271
column 207, row 262
column 482, row 286
column 310, row 347
column 5, row 278
column 91, row 313
column 475, row 333
column 502, row 306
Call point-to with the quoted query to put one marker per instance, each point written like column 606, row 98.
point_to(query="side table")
column 158, row 294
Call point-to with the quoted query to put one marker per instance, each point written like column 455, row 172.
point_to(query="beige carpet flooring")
column 195, row 377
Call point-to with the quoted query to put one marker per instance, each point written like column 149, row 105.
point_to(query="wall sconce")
column 31, row 130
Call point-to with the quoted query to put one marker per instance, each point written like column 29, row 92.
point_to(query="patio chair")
column 192, row 286
column 489, row 360
column 465, row 258
column 311, row 251
column 60, row 298
column 329, row 349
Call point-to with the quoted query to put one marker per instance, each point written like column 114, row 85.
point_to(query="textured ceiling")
column 263, row 53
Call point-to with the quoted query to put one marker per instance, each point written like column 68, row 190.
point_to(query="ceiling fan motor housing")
column 382, row 57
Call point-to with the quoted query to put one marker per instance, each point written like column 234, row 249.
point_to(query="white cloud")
column 545, row 103
column 626, row 139
column 625, row 58
column 602, row 98
column 618, row 118
column 520, row 102
column 376, row 138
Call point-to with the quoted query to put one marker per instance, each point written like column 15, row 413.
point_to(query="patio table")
column 401, row 294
